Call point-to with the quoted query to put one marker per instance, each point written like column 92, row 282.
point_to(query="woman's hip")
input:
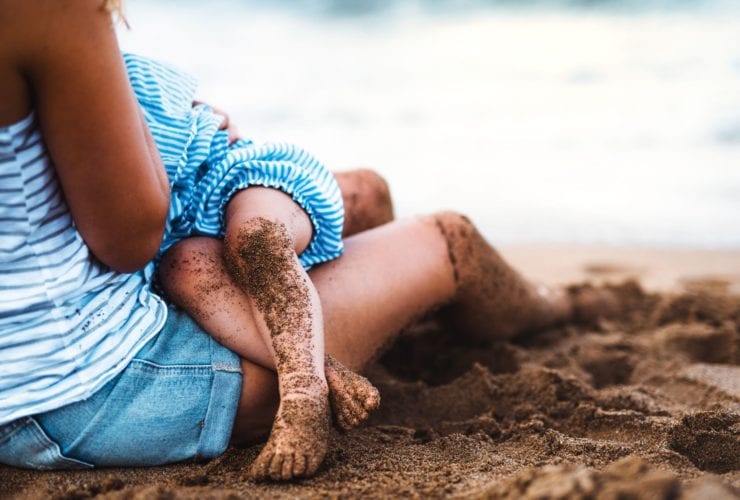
column 175, row 401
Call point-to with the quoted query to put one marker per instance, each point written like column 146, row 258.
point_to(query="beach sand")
column 644, row 406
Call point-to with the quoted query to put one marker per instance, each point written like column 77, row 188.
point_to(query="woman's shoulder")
column 15, row 99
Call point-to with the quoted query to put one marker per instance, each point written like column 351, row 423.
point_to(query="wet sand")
column 644, row 406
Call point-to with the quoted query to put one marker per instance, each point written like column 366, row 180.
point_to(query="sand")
column 643, row 406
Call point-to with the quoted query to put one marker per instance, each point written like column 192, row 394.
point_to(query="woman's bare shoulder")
column 29, row 29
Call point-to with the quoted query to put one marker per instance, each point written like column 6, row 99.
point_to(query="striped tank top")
column 68, row 324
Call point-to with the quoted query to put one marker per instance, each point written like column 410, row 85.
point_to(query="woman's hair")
column 115, row 7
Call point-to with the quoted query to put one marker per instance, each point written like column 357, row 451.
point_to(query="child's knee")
column 260, row 258
column 376, row 188
column 260, row 209
column 379, row 196
column 258, row 249
column 367, row 200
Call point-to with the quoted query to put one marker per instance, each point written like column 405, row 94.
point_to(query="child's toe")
column 288, row 466
column 276, row 466
column 261, row 467
column 344, row 423
column 371, row 400
column 362, row 416
column 313, row 463
column 299, row 465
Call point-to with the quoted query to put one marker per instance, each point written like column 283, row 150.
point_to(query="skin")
column 405, row 271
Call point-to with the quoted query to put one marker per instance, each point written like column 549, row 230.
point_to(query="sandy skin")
column 351, row 396
column 284, row 297
column 259, row 271
column 262, row 259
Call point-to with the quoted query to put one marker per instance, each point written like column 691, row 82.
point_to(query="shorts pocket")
column 28, row 446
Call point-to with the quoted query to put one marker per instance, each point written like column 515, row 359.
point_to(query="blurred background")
column 551, row 121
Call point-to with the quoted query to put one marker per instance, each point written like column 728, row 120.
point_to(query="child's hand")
column 225, row 124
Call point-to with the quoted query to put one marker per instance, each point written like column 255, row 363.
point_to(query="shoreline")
column 657, row 269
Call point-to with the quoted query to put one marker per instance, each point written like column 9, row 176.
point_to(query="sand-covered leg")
column 194, row 277
column 352, row 396
column 260, row 254
column 492, row 299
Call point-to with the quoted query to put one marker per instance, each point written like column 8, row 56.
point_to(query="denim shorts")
column 175, row 401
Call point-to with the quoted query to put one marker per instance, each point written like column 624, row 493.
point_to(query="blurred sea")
column 576, row 121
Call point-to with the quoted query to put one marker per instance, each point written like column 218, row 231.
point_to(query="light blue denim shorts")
column 175, row 401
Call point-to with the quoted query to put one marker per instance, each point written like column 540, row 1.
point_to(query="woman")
column 96, row 370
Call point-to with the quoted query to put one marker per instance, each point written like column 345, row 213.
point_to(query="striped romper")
column 205, row 171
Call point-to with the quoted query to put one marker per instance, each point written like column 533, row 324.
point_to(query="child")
column 279, row 212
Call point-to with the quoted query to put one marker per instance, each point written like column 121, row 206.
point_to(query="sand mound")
column 644, row 406
column 629, row 478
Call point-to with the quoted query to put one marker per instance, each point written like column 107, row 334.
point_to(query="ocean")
column 572, row 121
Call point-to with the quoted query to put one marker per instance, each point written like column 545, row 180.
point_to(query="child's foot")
column 299, row 438
column 352, row 396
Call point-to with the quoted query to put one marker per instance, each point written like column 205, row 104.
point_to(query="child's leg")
column 193, row 276
column 262, row 252
column 265, row 229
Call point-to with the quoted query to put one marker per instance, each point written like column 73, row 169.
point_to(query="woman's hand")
column 225, row 124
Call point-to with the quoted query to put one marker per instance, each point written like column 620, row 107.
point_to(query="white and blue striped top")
column 68, row 324
column 205, row 171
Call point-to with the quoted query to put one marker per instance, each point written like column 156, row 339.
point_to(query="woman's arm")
column 106, row 160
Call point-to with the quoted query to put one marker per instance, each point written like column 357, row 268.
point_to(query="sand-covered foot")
column 351, row 395
column 590, row 303
column 556, row 306
column 298, row 441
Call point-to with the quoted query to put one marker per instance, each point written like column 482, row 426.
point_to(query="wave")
column 352, row 8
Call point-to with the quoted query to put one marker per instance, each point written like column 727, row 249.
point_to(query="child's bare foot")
column 352, row 396
column 299, row 438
